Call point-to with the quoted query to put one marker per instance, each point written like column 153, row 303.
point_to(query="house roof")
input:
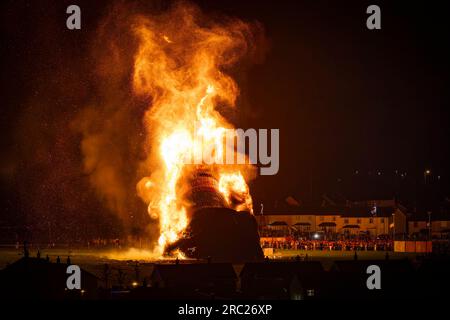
column 273, row 278
column 302, row 224
column 195, row 271
column 423, row 216
column 279, row 269
column 366, row 212
column 39, row 265
column 302, row 210
column 327, row 224
column 351, row 226
column 352, row 266
column 351, row 212
column 31, row 278
column 278, row 223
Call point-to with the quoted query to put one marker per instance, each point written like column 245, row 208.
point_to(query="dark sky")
column 345, row 98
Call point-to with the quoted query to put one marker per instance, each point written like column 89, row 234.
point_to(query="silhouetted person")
column 58, row 260
column 386, row 256
column 177, row 261
column 306, row 257
column 47, row 258
column 144, row 283
column 26, row 253
column 120, row 277
column 355, row 257
column 106, row 273
column 38, row 255
column 297, row 258
column 136, row 272
column 68, row 260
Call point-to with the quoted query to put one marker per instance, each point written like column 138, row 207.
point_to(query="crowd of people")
column 330, row 245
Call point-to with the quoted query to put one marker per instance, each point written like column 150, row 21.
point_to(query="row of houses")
column 296, row 280
column 371, row 219
column 36, row 278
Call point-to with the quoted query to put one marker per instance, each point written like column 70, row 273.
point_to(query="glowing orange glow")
column 180, row 64
column 234, row 184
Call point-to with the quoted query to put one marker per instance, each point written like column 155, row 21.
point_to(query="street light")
column 393, row 228
column 426, row 173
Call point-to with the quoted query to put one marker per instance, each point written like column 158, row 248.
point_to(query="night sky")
column 356, row 108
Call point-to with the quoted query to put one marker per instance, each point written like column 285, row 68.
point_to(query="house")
column 283, row 280
column 440, row 225
column 154, row 293
column 419, row 226
column 373, row 221
column 350, row 279
column 334, row 222
column 36, row 278
column 209, row 278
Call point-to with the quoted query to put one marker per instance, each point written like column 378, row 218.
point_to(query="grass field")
column 93, row 259
column 327, row 257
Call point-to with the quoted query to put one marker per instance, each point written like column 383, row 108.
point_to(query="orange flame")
column 180, row 63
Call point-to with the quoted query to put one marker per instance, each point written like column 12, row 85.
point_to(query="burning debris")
column 215, row 229
column 202, row 191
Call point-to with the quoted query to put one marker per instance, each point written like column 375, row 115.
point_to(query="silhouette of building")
column 36, row 278
column 283, row 280
column 208, row 278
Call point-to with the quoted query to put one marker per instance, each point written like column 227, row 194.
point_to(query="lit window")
column 358, row 221
column 310, row 292
column 346, row 221
column 370, row 220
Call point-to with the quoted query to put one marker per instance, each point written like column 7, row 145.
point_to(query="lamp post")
column 426, row 173
column 429, row 225
column 393, row 229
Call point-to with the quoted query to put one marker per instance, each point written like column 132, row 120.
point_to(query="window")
column 321, row 218
column 382, row 220
column 370, row 220
column 346, row 221
column 334, row 218
column 358, row 221
column 416, row 224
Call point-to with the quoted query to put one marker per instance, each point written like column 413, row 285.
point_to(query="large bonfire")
column 181, row 64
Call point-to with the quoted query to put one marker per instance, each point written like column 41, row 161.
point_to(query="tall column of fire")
column 184, row 74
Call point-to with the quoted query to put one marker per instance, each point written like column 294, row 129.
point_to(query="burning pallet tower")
column 215, row 230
